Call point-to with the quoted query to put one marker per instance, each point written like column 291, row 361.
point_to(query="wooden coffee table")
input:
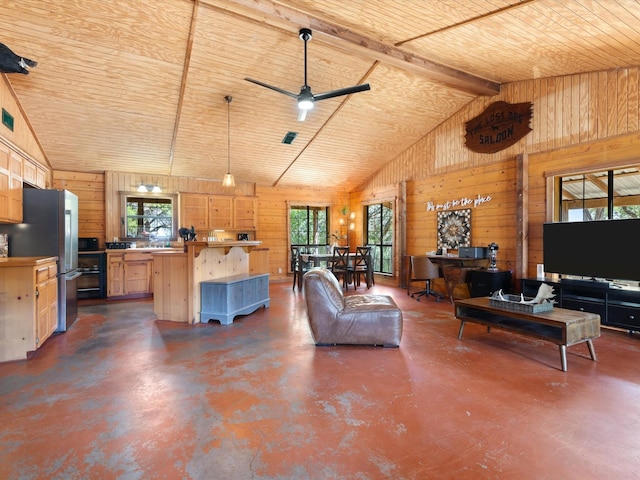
column 560, row 326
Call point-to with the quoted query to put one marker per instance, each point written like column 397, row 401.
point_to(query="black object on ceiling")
column 306, row 98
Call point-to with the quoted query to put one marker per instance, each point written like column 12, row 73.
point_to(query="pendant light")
column 228, row 180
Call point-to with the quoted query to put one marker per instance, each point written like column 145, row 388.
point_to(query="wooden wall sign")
column 501, row 125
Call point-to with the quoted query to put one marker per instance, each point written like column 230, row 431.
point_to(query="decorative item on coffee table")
column 542, row 302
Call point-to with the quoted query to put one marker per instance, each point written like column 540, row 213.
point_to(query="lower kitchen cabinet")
column 29, row 299
column 129, row 273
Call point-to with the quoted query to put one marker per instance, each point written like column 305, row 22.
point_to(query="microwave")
column 86, row 244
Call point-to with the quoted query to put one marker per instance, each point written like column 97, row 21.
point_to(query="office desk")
column 455, row 269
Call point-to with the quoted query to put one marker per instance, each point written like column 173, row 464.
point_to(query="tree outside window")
column 309, row 226
column 149, row 217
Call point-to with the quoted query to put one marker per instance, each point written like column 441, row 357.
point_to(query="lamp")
column 228, row 180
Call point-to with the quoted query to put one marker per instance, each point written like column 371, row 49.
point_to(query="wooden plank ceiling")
column 139, row 85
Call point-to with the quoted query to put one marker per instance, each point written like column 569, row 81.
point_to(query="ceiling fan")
column 306, row 98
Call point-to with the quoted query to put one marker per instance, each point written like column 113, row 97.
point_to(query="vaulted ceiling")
column 139, row 85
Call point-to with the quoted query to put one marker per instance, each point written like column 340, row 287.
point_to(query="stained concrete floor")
column 122, row 395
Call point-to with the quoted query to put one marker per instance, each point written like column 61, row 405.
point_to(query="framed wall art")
column 454, row 229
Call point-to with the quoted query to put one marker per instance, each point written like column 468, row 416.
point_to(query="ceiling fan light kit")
column 306, row 99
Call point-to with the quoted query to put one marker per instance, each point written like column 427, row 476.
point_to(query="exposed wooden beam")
column 272, row 13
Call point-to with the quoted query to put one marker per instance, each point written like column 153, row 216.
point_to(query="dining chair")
column 361, row 265
column 340, row 265
column 298, row 266
column 423, row 270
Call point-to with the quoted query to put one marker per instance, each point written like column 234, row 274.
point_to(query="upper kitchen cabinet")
column 34, row 174
column 244, row 213
column 213, row 212
column 10, row 186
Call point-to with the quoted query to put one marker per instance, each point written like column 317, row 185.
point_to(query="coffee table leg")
column 461, row 328
column 592, row 349
column 563, row 357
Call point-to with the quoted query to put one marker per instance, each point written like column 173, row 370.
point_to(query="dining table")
column 324, row 259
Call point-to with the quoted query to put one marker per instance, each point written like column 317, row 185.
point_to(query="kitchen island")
column 177, row 275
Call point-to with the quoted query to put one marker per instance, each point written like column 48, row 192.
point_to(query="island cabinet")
column 178, row 276
column 217, row 212
column 29, row 300
column 171, row 286
column 129, row 273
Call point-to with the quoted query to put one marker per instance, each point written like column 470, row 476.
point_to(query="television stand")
column 617, row 306
column 585, row 283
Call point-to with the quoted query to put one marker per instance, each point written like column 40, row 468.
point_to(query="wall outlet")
column 279, row 270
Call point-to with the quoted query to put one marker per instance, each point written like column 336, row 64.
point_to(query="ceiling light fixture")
column 142, row 188
column 228, row 180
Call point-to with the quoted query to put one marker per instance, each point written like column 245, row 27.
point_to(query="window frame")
column 381, row 247
column 124, row 200
column 308, row 206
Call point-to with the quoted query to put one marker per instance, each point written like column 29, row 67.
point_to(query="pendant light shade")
column 228, row 180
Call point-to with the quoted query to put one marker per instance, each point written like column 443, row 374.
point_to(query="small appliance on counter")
column 243, row 237
column 118, row 245
column 87, row 244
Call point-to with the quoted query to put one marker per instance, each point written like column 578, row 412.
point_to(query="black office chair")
column 423, row 270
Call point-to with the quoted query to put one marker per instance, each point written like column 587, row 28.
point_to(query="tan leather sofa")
column 354, row 319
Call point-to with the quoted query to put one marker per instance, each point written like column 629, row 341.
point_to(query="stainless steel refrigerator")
column 50, row 228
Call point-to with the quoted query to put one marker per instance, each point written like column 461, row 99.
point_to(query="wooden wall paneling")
column 622, row 100
column 90, row 189
column 633, row 116
column 522, row 216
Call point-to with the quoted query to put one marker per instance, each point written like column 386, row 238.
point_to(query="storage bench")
column 225, row 298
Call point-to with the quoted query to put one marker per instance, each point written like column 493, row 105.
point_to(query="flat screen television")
column 603, row 249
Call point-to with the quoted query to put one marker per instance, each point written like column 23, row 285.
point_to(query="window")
column 149, row 217
column 610, row 194
column 308, row 226
column 379, row 234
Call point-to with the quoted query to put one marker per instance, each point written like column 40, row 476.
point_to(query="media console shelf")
column 617, row 306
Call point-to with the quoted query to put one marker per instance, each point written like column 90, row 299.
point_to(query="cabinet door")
column 220, row 212
column 137, row 277
column 10, row 186
column 115, row 275
column 244, row 211
column 46, row 306
column 30, row 172
column 194, row 210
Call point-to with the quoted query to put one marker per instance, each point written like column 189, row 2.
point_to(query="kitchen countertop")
column 25, row 261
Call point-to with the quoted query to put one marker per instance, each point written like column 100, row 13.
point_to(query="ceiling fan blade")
column 342, row 91
column 271, row 87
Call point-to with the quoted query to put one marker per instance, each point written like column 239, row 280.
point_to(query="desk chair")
column 454, row 276
column 423, row 270
column 340, row 265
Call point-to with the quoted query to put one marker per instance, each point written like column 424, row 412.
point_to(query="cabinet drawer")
column 137, row 257
column 53, row 270
column 585, row 306
column 42, row 274
column 115, row 257
column 622, row 316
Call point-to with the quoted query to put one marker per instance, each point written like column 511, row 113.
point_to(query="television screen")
column 603, row 249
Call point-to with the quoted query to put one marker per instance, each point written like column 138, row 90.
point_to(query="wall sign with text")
column 501, row 125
